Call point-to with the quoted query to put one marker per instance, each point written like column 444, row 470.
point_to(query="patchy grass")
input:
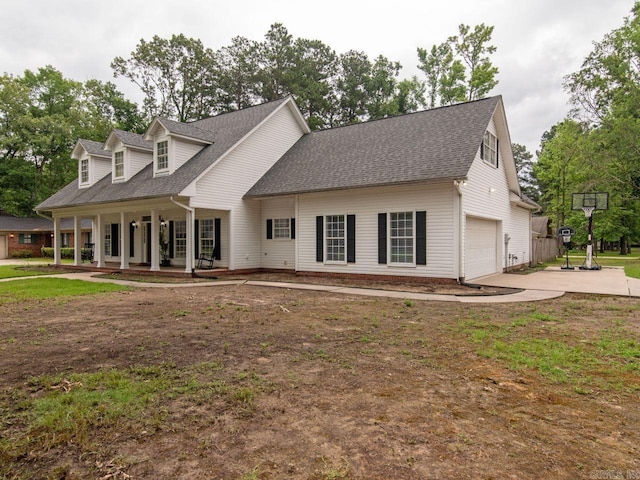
column 15, row 271
column 41, row 288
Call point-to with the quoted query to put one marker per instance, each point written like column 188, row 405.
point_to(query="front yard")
column 245, row 382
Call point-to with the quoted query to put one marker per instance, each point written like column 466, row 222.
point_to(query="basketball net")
column 588, row 211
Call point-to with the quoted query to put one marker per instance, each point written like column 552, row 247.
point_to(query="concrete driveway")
column 607, row 281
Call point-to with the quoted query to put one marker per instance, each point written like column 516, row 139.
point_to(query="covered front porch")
column 163, row 235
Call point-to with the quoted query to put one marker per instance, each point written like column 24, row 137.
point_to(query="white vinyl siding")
column 437, row 199
column 277, row 253
column 182, row 151
column 224, row 185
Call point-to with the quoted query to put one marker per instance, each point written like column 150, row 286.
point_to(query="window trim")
column 117, row 164
column 489, row 151
column 390, row 238
column 179, row 227
column 84, row 170
column 326, row 239
column 201, row 237
column 165, row 156
column 285, row 231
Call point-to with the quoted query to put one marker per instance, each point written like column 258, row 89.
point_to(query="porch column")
column 56, row 241
column 124, row 241
column 98, row 240
column 189, row 218
column 77, row 241
column 155, row 245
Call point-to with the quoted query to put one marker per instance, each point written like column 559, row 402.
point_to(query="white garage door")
column 3, row 246
column 481, row 249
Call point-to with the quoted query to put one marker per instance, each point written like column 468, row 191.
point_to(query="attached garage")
column 3, row 246
column 481, row 248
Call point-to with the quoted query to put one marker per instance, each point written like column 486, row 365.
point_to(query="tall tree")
column 381, row 88
column 524, row 165
column 354, row 74
column 237, row 66
column 176, row 75
column 108, row 108
column 276, row 61
column 409, row 95
column 460, row 68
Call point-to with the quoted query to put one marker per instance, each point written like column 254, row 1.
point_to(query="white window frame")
column 180, row 239
column 118, row 164
column 490, row 148
column 107, row 240
column 164, row 156
column 84, row 171
column 207, row 243
column 282, row 229
column 335, row 245
column 397, row 234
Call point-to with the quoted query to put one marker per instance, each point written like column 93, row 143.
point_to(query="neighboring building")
column 20, row 234
column 428, row 194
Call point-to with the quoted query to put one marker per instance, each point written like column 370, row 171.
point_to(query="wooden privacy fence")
column 544, row 250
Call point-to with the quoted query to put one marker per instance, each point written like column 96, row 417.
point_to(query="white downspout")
column 188, row 268
column 459, row 184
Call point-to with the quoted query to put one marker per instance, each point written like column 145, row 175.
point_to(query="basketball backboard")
column 593, row 201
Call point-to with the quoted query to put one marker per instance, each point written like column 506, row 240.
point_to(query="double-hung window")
column 281, row 228
column 401, row 236
column 489, row 149
column 180, row 238
column 335, row 238
column 84, row 170
column 162, row 156
column 207, row 239
column 118, row 164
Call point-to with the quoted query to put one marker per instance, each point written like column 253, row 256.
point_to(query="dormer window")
column 118, row 164
column 489, row 149
column 162, row 156
column 84, row 170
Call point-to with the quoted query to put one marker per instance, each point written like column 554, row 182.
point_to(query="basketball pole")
column 588, row 264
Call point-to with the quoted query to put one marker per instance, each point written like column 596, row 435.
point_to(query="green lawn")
column 24, row 270
column 631, row 263
column 39, row 288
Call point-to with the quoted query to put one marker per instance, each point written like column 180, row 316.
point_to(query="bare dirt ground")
column 341, row 387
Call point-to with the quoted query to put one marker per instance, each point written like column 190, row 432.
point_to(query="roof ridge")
column 192, row 123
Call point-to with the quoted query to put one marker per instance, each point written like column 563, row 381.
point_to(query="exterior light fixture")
column 163, row 223
column 134, row 224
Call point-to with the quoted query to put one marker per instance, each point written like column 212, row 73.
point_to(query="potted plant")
column 164, row 247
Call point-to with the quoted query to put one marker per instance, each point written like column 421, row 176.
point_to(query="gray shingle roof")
column 228, row 129
column 434, row 144
column 9, row 223
column 187, row 130
column 132, row 139
column 94, row 148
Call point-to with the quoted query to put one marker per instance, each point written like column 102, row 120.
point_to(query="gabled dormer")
column 130, row 153
column 93, row 162
column 174, row 143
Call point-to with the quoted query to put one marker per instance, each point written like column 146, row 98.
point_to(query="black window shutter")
column 196, row 238
column 421, row 238
column 269, row 229
column 351, row 239
column 115, row 240
column 382, row 238
column 319, row 239
column 21, row 238
column 132, row 231
column 217, row 248
column 293, row 229
column 482, row 149
column 497, row 152
column 35, row 238
column 171, row 244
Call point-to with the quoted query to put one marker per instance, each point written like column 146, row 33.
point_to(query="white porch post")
column 189, row 217
column 155, row 246
column 56, row 241
column 77, row 241
column 124, row 243
column 98, row 241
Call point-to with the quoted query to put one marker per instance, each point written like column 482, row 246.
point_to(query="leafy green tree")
column 381, row 88
column 353, row 76
column 524, row 166
column 276, row 56
column 237, row 66
column 460, row 68
column 108, row 108
column 606, row 90
column 410, row 95
column 177, row 76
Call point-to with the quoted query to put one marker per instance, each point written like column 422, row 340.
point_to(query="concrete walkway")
column 528, row 295
column 543, row 285
column 607, row 281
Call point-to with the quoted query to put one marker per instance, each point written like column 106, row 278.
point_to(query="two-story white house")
column 428, row 194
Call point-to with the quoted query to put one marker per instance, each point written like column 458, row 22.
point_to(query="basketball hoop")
column 588, row 203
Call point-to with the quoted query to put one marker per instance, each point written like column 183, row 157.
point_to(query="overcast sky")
column 538, row 41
